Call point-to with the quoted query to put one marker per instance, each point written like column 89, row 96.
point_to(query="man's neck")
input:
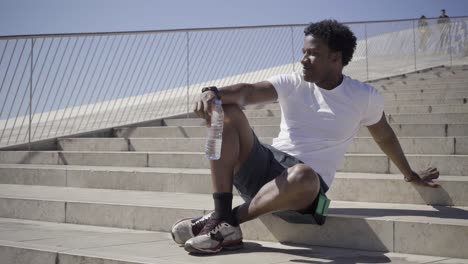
column 331, row 83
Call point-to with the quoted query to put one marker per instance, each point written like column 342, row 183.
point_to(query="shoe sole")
column 232, row 245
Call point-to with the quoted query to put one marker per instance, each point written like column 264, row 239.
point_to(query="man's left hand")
column 424, row 178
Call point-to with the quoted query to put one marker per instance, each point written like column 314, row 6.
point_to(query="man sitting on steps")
column 321, row 112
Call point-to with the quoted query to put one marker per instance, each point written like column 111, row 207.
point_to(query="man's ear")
column 336, row 57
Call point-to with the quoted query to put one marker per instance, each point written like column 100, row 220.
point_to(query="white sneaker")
column 215, row 236
column 186, row 228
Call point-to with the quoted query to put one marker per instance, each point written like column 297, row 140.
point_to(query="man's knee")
column 232, row 112
column 303, row 178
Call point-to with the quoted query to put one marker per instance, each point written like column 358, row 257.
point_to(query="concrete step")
column 410, row 145
column 405, row 130
column 456, row 165
column 411, row 119
column 404, row 109
column 426, row 89
column 360, row 187
column 380, row 227
column 407, row 95
column 426, row 84
column 427, row 109
column 459, row 118
column 388, row 103
column 36, row 242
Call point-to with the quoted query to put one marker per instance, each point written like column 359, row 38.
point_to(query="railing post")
column 188, row 73
column 367, row 55
column 450, row 41
column 30, row 94
column 414, row 44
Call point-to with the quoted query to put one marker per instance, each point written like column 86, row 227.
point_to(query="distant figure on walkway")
column 444, row 26
column 424, row 32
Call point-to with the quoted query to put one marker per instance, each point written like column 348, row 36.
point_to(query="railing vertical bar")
column 173, row 109
column 144, row 84
column 16, row 93
column 223, row 43
column 53, row 82
column 37, row 82
column 58, row 89
column 367, row 52
column 450, row 42
column 64, row 109
column 125, row 84
column 197, row 72
column 82, row 103
column 188, row 72
column 133, row 82
column 169, row 91
column 30, row 94
column 157, row 90
column 263, row 37
column 141, row 91
column 162, row 92
column 293, row 51
column 72, row 106
column 175, row 88
column 172, row 78
column 414, row 44
column 4, row 51
column 97, row 101
column 231, row 56
column 26, row 91
column 8, row 67
column 67, row 107
column 114, row 96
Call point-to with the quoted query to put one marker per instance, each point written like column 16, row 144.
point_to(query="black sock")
column 223, row 206
column 235, row 216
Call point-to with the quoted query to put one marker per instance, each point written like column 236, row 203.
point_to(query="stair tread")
column 132, row 246
column 379, row 211
column 202, row 153
column 350, row 175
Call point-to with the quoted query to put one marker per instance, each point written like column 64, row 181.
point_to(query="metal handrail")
column 55, row 85
column 113, row 33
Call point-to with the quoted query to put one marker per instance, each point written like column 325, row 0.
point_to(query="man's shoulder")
column 358, row 85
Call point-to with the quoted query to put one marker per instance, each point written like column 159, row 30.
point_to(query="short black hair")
column 337, row 36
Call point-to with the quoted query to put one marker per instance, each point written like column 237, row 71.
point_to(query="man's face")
column 318, row 61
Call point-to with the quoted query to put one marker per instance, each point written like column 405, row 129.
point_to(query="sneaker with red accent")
column 214, row 237
column 186, row 228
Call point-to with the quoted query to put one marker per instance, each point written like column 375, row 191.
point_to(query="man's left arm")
column 385, row 137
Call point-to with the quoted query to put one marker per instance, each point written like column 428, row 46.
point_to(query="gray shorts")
column 263, row 165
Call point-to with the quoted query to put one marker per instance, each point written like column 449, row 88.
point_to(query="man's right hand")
column 203, row 106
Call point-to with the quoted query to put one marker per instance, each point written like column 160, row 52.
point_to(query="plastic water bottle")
column 215, row 132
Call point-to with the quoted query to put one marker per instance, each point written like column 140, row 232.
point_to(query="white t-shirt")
column 317, row 125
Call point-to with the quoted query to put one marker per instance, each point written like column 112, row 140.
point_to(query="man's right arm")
column 246, row 93
column 240, row 94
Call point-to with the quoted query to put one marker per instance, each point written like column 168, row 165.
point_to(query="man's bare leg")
column 295, row 189
column 236, row 147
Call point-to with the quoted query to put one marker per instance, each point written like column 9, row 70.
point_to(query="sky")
column 25, row 17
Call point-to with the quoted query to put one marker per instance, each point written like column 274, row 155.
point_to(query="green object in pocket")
column 322, row 205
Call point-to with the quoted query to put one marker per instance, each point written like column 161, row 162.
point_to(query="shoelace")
column 199, row 225
column 210, row 225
